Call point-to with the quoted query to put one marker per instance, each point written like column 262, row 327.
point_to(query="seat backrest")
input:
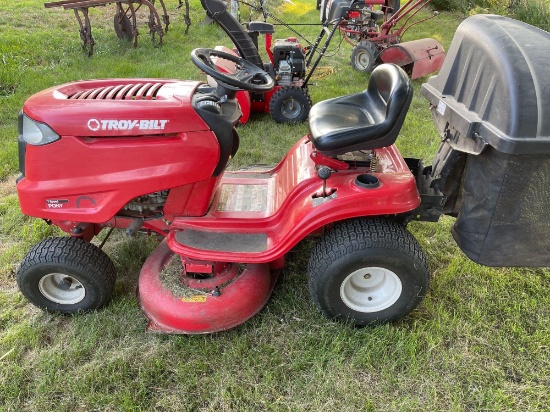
column 366, row 120
column 391, row 91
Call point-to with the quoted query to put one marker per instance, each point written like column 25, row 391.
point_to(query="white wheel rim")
column 62, row 289
column 362, row 60
column 371, row 289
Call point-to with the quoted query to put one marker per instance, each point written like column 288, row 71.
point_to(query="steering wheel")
column 247, row 76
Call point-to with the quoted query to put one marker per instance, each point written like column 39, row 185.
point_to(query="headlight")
column 36, row 133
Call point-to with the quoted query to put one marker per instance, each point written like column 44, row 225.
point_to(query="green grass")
column 479, row 341
column 535, row 12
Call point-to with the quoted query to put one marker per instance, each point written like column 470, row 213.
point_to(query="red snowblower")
column 151, row 156
column 289, row 100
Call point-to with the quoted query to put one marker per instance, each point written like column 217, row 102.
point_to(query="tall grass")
column 534, row 12
column 11, row 70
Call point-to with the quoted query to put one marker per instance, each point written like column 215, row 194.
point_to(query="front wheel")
column 290, row 105
column 368, row 271
column 364, row 56
column 66, row 275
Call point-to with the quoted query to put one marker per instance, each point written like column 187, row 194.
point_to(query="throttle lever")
column 324, row 172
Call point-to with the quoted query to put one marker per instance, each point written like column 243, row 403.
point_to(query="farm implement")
column 125, row 19
column 376, row 27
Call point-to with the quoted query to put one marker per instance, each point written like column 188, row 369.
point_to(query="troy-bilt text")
column 112, row 124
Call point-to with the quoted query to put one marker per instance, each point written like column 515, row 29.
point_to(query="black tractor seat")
column 363, row 121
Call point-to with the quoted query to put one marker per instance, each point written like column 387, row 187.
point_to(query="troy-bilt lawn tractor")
column 375, row 29
column 150, row 155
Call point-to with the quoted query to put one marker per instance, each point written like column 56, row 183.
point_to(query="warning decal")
column 194, row 299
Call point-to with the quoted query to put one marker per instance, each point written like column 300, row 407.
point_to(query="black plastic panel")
column 223, row 242
column 491, row 104
column 494, row 87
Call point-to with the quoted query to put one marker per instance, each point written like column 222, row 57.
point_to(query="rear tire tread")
column 363, row 234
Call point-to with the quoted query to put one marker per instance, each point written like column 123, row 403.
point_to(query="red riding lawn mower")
column 375, row 29
column 152, row 157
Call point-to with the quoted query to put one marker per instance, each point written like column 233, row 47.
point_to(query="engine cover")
column 119, row 139
column 117, row 107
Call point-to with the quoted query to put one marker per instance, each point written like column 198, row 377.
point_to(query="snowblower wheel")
column 66, row 275
column 368, row 271
column 365, row 56
column 123, row 27
column 290, row 105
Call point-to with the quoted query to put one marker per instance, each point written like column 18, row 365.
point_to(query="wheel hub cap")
column 291, row 108
column 62, row 289
column 363, row 60
column 371, row 289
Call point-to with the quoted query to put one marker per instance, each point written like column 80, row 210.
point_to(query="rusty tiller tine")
column 165, row 17
column 135, row 32
column 186, row 17
column 85, row 29
column 155, row 25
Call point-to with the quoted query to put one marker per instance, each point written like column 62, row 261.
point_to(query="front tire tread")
column 89, row 263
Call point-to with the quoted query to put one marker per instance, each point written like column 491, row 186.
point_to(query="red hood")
column 117, row 107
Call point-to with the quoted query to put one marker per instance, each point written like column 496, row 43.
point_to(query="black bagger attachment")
column 491, row 104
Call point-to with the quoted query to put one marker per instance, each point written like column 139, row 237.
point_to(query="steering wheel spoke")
column 243, row 75
column 247, row 75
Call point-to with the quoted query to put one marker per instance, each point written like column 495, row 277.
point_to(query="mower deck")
column 228, row 298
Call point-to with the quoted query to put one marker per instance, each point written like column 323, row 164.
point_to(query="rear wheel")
column 368, row 271
column 290, row 105
column 365, row 56
column 66, row 275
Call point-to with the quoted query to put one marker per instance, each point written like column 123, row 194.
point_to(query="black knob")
column 324, row 172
